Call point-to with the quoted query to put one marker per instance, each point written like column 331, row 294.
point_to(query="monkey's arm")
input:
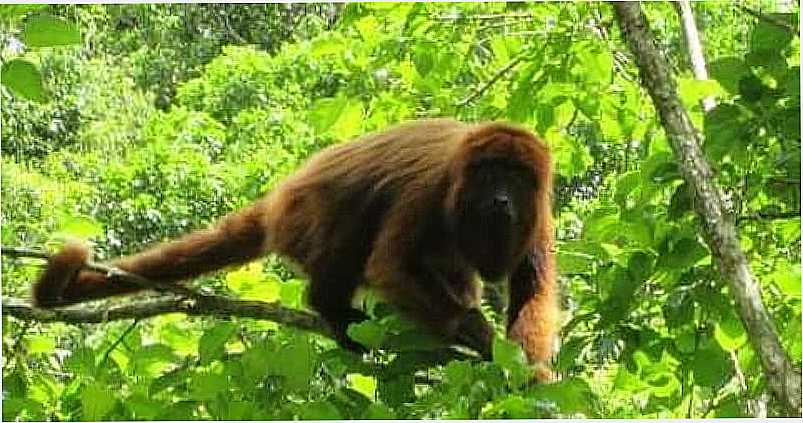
column 533, row 310
column 237, row 238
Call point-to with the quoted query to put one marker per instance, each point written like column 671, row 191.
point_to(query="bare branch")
column 718, row 228
column 768, row 216
column 455, row 17
column 768, row 19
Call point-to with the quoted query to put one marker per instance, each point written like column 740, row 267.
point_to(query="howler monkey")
column 416, row 212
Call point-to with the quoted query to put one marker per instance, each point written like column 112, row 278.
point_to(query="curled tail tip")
column 61, row 269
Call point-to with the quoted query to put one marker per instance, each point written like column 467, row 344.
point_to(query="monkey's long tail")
column 238, row 238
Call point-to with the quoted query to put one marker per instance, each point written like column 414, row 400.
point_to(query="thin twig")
column 768, row 216
column 485, row 17
column 498, row 75
column 118, row 341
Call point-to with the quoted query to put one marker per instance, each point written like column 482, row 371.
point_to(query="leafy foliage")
column 166, row 117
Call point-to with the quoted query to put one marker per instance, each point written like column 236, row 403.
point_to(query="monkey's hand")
column 475, row 332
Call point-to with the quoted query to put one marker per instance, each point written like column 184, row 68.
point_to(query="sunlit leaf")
column 43, row 30
column 23, row 78
column 365, row 385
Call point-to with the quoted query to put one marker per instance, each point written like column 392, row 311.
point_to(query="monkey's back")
column 330, row 210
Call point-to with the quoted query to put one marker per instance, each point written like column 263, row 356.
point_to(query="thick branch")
column 719, row 231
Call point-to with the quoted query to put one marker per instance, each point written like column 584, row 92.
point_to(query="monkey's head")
column 498, row 181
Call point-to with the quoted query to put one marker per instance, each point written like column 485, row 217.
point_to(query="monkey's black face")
column 494, row 212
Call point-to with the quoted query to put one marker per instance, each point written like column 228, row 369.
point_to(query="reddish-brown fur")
column 372, row 211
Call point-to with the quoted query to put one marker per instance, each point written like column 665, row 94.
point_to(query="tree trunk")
column 719, row 231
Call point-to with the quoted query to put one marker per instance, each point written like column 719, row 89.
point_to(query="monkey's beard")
column 489, row 241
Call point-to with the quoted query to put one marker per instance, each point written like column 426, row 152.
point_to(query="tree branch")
column 182, row 300
column 768, row 19
column 194, row 304
column 114, row 274
column 203, row 305
column 718, row 229
column 695, row 47
column 768, row 216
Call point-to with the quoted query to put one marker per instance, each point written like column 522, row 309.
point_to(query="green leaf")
column 327, row 45
column 326, row 112
column 728, row 71
column 729, row 407
column 712, row 366
column 43, row 30
column 206, row 386
column 213, row 342
column 257, row 361
column 510, row 407
column 571, row 262
column 250, row 282
column 23, row 79
column 369, row 333
column 349, row 123
column 458, row 373
column 599, row 66
column 788, row 278
column 663, row 385
column 685, row 253
column 96, row 402
column 39, row 344
column 424, row 57
column 296, row 363
column 11, row 13
column 692, row 91
column 292, row 293
column 368, row 27
column 571, row 396
column 320, row 410
column 152, row 360
column 729, row 333
column 397, row 390
column 510, row 357
column 726, row 133
column 80, row 227
column 767, row 36
column 365, row 385
column 377, row 411
column 679, row 308
column 640, row 266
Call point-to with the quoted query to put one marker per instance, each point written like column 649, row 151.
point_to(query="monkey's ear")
column 61, row 269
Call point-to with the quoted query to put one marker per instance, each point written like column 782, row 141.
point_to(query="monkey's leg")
column 330, row 295
column 534, row 312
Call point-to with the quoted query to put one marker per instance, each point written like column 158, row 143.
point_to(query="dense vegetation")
column 160, row 118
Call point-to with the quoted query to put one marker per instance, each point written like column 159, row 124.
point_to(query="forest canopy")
column 126, row 125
